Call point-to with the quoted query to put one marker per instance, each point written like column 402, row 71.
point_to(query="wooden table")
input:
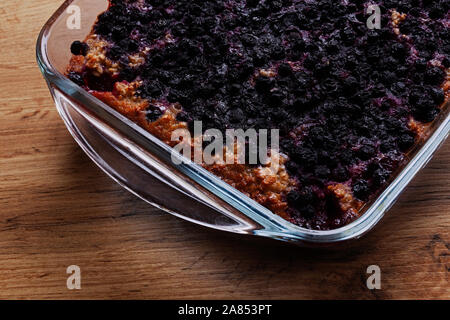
column 58, row 209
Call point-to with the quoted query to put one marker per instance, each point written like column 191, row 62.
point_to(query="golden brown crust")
column 266, row 185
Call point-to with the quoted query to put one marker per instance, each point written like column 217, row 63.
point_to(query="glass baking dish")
column 142, row 164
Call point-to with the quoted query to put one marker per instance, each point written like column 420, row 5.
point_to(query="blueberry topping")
column 342, row 95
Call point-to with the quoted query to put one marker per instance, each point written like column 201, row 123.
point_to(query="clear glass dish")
column 142, row 164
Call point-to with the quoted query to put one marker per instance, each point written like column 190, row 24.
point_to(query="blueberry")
column 366, row 152
column 436, row 12
column 446, row 59
column 235, row 88
column 153, row 113
column 398, row 50
column 237, row 115
column 77, row 78
column 284, row 70
column 308, row 211
column 293, row 197
column 340, row 174
column 380, row 176
column 434, row 76
column 405, row 142
column 306, row 157
column 322, row 172
column 420, row 65
column 426, row 115
column 116, row 52
column 79, row 48
column 438, row 95
column 361, row 189
column 263, row 84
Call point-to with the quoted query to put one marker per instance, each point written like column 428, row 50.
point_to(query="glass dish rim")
column 275, row 225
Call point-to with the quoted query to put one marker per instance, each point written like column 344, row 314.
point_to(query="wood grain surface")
column 58, row 209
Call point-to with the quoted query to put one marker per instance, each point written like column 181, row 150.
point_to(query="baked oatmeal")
column 350, row 102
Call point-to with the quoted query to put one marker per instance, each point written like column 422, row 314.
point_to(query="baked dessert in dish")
column 350, row 102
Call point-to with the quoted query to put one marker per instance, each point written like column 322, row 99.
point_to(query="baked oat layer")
column 350, row 102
